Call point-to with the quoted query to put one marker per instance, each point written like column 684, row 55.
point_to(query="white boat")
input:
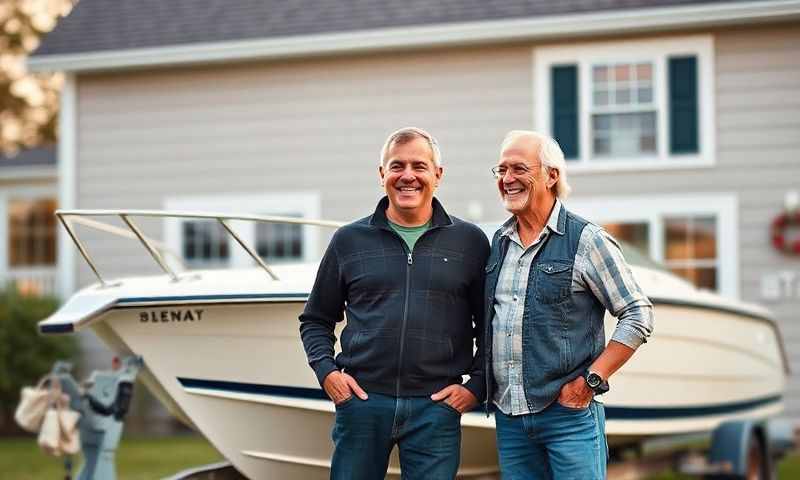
column 222, row 351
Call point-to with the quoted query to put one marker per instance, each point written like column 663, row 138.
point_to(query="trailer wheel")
column 757, row 462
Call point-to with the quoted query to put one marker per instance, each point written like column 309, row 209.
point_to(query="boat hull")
column 237, row 372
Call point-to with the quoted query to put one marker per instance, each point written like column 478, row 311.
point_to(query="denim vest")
column 562, row 330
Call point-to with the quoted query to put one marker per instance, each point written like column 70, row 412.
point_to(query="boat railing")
column 158, row 250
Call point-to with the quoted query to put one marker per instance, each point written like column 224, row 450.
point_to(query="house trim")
column 656, row 50
column 429, row 36
column 67, row 182
column 29, row 173
column 651, row 208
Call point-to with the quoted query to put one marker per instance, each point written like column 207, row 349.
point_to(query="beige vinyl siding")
column 287, row 126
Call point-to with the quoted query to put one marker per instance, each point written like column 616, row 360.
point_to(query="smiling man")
column 551, row 276
column 410, row 279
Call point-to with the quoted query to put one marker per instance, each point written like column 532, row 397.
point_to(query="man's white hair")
column 550, row 155
column 407, row 134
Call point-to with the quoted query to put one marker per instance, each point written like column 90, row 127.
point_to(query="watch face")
column 593, row 380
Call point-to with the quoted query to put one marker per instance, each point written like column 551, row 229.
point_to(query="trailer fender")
column 731, row 443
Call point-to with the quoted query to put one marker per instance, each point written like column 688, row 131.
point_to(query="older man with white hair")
column 551, row 276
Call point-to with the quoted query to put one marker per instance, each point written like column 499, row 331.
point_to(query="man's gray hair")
column 550, row 155
column 408, row 134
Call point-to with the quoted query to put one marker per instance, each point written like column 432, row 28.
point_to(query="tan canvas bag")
column 33, row 403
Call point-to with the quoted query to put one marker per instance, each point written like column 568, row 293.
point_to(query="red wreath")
column 779, row 226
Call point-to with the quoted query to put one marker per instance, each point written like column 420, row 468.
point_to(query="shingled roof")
column 102, row 25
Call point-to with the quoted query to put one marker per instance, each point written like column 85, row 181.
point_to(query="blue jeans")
column 557, row 443
column 427, row 434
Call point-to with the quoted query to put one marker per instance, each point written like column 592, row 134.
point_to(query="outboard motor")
column 103, row 405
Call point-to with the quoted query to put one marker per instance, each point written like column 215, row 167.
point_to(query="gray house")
column 680, row 118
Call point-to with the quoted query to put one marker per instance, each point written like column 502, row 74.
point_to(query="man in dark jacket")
column 410, row 279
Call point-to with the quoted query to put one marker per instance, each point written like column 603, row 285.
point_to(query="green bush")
column 25, row 355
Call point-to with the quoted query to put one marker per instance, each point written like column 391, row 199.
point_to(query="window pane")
column 279, row 241
column 645, row 95
column 31, row 234
column 622, row 72
column 622, row 85
column 601, row 146
column 644, row 71
column 690, row 248
column 690, row 238
column 705, row 238
column 635, row 234
column 623, row 96
column 601, row 98
column 648, row 143
column 700, row 277
column 602, row 122
column 205, row 244
column 629, row 134
column 600, row 74
column 677, row 239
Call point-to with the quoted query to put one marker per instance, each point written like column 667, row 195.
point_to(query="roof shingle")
column 103, row 25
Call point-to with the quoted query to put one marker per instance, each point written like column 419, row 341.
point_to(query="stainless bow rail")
column 157, row 249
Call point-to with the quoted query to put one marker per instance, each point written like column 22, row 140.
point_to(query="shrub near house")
column 25, row 355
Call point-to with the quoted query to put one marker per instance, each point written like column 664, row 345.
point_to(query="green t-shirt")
column 410, row 235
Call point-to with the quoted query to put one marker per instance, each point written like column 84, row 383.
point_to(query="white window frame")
column 307, row 204
column 656, row 51
column 652, row 209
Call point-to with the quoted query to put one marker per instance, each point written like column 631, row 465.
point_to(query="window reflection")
column 635, row 234
column 279, row 241
column 205, row 244
column 690, row 244
column 32, row 233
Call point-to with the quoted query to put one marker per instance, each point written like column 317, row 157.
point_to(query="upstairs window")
column 623, row 110
column 645, row 104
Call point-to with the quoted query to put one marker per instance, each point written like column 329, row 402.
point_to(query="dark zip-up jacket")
column 412, row 316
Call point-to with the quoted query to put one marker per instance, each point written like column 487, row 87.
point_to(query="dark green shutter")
column 564, row 82
column 683, row 118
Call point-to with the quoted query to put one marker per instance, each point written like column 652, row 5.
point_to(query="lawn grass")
column 138, row 458
column 147, row 458
column 788, row 469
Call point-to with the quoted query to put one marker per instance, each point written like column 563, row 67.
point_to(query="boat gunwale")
column 125, row 303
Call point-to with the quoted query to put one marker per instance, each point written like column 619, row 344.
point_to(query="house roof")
column 155, row 32
column 97, row 25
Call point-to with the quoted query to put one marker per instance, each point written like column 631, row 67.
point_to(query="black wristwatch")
column 596, row 383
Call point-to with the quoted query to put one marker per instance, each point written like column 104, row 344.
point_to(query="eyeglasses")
column 517, row 170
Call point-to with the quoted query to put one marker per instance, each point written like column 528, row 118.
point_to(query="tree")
column 25, row 355
column 28, row 101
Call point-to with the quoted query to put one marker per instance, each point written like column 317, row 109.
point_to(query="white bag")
column 59, row 433
column 50, row 434
column 33, row 403
column 70, row 441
